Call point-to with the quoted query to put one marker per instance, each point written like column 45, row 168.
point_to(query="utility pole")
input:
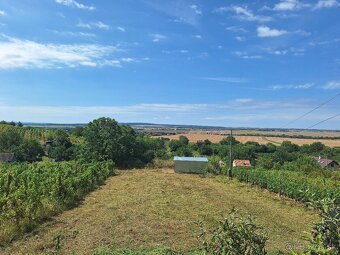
column 230, row 170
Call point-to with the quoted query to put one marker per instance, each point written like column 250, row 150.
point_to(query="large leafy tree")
column 105, row 140
column 62, row 147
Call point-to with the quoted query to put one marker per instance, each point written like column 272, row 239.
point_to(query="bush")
column 325, row 238
column 235, row 235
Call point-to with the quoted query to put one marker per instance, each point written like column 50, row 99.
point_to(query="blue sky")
column 225, row 63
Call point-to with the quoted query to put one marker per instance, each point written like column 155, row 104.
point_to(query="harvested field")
column 215, row 138
column 157, row 208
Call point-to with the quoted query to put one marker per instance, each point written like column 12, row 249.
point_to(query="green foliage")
column 78, row 131
column 30, row 150
column 295, row 185
column 235, row 235
column 226, row 141
column 106, row 140
column 324, row 239
column 183, row 139
column 25, row 149
column 30, row 192
column 205, row 148
column 62, row 148
column 303, row 164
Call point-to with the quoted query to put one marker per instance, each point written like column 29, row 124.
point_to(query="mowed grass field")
column 141, row 209
column 215, row 138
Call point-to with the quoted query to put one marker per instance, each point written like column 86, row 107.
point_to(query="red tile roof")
column 239, row 162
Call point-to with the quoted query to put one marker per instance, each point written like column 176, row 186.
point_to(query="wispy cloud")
column 94, row 25
column 290, row 5
column 175, row 51
column 332, row 85
column 121, row 29
column 196, row 9
column 198, row 37
column 236, row 29
column 243, row 13
column 18, row 53
column 326, row 4
column 75, row 4
column 158, row 37
column 240, row 38
column 2, row 13
column 245, row 55
column 293, row 86
column 179, row 9
column 225, row 79
column 74, row 34
column 264, row 31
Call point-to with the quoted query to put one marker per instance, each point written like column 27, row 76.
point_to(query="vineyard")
column 28, row 132
column 294, row 185
column 32, row 192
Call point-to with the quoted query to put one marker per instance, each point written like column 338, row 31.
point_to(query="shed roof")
column 190, row 159
column 7, row 157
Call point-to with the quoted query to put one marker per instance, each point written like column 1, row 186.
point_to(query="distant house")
column 7, row 157
column 241, row 163
column 326, row 163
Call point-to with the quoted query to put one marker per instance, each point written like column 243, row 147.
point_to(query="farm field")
column 215, row 138
column 157, row 208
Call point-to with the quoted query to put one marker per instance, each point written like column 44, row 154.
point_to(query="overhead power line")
column 324, row 121
column 305, row 114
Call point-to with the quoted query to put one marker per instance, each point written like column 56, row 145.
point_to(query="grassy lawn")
column 148, row 209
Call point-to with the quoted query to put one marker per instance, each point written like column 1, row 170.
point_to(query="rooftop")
column 190, row 159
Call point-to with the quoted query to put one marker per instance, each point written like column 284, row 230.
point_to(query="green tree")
column 30, row 150
column 10, row 139
column 226, row 141
column 78, row 131
column 184, row 140
column 106, row 140
column 62, row 147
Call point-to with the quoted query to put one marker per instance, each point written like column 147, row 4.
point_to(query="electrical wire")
column 305, row 114
column 324, row 121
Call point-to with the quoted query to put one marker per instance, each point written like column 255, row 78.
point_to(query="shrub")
column 325, row 236
column 235, row 235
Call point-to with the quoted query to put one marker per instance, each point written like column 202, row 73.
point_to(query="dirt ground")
column 158, row 208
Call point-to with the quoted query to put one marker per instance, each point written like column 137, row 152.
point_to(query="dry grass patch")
column 157, row 208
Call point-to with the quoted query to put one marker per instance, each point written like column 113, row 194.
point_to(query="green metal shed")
column 190, row 165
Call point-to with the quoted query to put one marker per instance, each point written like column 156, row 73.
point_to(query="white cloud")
column 75, row 34
column 196, row 9
column 240, row 38
column 175, row 51
column 17, row 53
column 2, row 13
column 198, row 37
column 243, row 13
column 245, row 55
column 264, row 31
column 75, row 4
column 94, row 25
column 290, row 5
column 293, row 86
column 121, row 29
column 236, row 29
column 178, row 9
column 158, row 37
column 332, row 85
column 225, row 79
column 326, row 4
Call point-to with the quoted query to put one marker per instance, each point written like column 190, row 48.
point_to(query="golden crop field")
column 216, row 137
